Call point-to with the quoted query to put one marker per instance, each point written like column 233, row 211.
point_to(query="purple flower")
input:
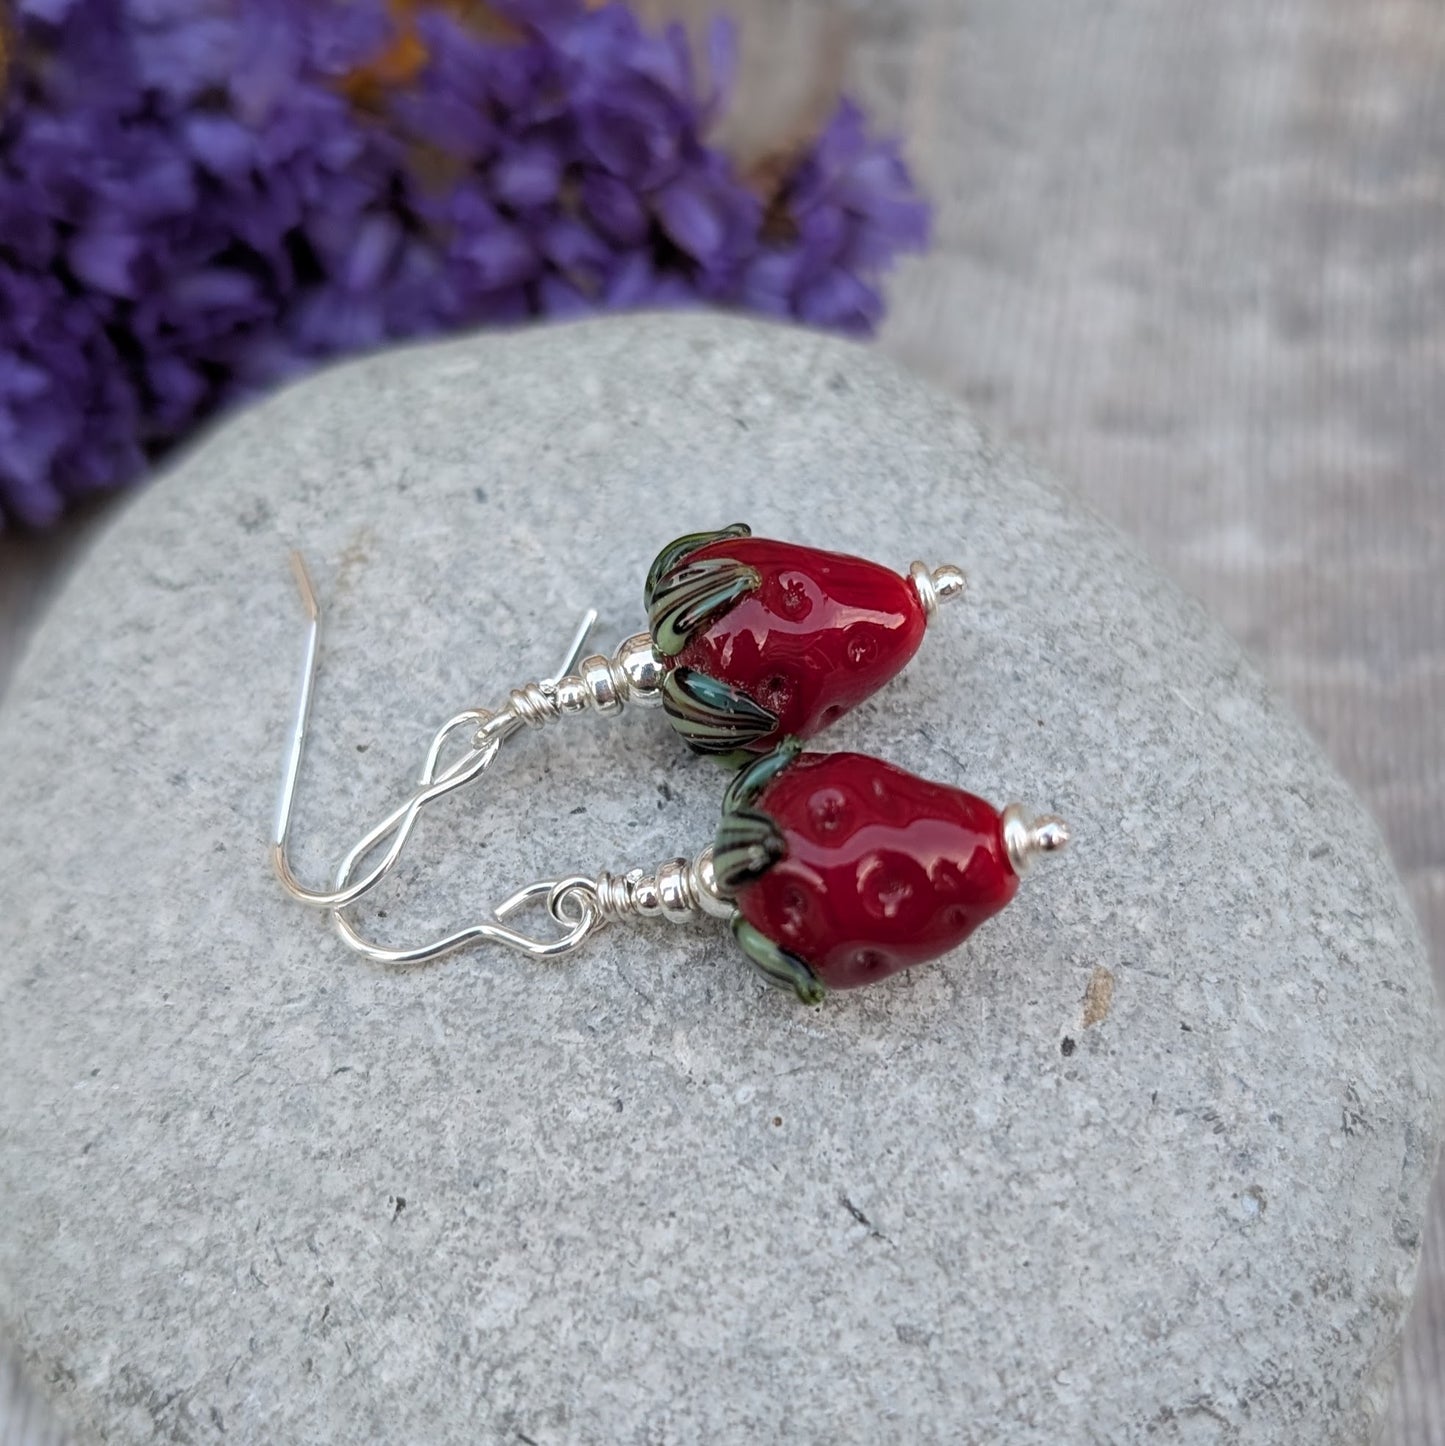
column 845, row 211
column 197, row 201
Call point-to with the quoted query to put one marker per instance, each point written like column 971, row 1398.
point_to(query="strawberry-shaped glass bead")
column 766, row 640
column 844, row 869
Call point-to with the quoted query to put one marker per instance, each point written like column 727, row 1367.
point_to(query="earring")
column 750, row 641
column 833, row 870
column 767, row 640
column 843, row 869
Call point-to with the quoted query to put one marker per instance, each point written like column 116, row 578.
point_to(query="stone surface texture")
column 1146, row 1161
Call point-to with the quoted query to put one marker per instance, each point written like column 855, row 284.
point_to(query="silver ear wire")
column 577, row 906
column 574, row 650
column 679, row 890
column 602, row 683
column 398, row 824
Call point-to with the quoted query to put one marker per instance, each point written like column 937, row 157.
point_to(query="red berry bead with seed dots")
column 766, row 640
column 845, row 869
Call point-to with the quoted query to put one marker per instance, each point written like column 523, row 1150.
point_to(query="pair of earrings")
column 833, row 870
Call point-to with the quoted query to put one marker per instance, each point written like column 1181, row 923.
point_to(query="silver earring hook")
column 678, row 890
column 488, row 731
column 574, row 650
column 574, row 913
column 575, row 906
column 287, row 800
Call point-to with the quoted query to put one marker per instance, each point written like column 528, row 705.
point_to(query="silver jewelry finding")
column 1025, row 840
column 937, row 585
column 632, row 674
column 678, row 890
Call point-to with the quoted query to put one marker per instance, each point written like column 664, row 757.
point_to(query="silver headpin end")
column 1025, row 839
column 937, row 585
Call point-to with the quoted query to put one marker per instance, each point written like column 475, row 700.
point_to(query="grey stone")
column 1146, row 1161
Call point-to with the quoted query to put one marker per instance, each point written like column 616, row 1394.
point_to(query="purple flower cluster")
column 198, row 200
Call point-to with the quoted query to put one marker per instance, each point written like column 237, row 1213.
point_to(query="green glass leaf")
column 746, row 845
column 689, row 596
column 776, row 964
column 680, row 548
column 710, row 716
column 758, row 774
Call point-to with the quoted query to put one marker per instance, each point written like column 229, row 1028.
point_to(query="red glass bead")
column 879, row 869
column 819, row 633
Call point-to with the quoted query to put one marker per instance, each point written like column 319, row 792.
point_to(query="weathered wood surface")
column 1193, row 257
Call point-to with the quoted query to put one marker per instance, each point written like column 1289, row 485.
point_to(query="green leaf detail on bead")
column 682, row 547
column 691, row 595
column 712, row 717
column 776, row 965
column 746, row 845
column 753, row 779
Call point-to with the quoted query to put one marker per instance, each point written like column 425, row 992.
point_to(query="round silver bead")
column 709, row 896
column 573, row 695
column 601, row 684
column 674, row 889
column 949, row 582
column 642, row 668
column 646, row 896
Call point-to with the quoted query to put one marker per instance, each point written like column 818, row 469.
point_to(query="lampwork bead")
column 880, row 869
column 843, row 869
column 766, row 640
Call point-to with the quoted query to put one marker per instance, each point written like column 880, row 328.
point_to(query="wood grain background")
column 1193, row 258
